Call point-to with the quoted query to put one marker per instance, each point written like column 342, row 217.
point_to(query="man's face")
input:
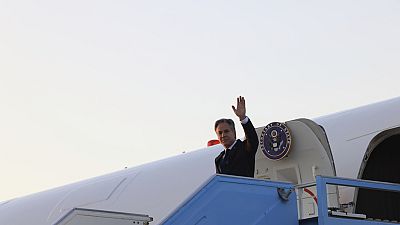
column 226, row 134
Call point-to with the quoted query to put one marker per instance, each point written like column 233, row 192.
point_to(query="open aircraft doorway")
column 381, row 163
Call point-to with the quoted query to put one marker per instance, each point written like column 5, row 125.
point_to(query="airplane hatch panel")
column 79, row 216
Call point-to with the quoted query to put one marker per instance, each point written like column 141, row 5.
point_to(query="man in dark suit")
column 238, row 157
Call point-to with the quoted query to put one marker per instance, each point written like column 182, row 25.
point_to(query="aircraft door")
column 309, row 155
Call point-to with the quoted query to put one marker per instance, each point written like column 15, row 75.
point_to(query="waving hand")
column 240, row 109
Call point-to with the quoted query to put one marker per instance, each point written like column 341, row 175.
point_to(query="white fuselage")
column 158, row 188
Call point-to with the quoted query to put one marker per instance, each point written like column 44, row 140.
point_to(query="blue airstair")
column 229, row 200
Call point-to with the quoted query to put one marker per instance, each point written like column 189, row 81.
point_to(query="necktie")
column 225, row 161
column 226, row 158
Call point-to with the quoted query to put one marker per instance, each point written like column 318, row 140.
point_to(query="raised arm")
column 249, row 130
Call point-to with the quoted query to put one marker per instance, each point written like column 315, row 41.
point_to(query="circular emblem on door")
column 275, row 140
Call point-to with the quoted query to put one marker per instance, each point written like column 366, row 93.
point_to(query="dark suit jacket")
column 241, row 158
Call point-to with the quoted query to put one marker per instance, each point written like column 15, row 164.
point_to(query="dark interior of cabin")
column 383, row 165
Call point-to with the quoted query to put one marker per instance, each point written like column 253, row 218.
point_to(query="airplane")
column 361, row 143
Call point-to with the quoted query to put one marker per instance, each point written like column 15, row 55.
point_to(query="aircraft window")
column 79, row 216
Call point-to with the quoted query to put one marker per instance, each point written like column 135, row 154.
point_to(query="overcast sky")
column 89, row 87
